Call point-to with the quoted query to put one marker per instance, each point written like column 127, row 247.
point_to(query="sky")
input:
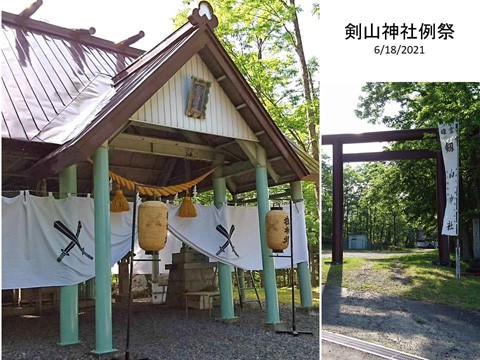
column 338, row 102
column 118, row 20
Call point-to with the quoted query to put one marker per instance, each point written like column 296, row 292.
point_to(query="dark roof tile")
column 43, row 73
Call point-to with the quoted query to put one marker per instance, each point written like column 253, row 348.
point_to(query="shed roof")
column 106, row 84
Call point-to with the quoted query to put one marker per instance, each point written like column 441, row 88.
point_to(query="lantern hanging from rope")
column 152, row 225
column 277, row 225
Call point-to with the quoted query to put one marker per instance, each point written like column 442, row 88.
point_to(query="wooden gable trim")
column 115, row 118
column 68, row 34
column 252, row 102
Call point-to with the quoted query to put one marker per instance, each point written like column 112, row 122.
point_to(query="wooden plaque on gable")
column 198, row 98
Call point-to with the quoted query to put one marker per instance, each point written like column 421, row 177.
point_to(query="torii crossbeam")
column 339, row 158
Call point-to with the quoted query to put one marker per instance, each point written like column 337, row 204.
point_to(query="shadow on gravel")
column 428, row 330
column 161, row 333
column 334, row 277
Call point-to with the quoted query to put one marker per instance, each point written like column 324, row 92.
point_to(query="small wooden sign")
column 198, row 98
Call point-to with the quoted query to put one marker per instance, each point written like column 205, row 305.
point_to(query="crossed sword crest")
column 228, row 235
column 73, row 237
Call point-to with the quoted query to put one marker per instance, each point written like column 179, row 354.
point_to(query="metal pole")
column 68, row 294
column 457, row 260
column 103, row 292
column 132, row 249
column 303, row 270
column 337, row 231
column 155, row 267
column 294, row 331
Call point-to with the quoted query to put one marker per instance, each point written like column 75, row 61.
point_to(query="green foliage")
column 379, row 203
column 421, row 105
column 311, row 215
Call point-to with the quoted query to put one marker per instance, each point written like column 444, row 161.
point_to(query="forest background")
column 387, row 201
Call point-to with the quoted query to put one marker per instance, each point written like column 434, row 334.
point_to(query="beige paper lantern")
column 152, row 225
column 277, row 225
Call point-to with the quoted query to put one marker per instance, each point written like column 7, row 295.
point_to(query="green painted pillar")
column 224, row 270
column 269, row 278
column 90, row 289
column 103, row 292
column 303, row 271
column 68, row 294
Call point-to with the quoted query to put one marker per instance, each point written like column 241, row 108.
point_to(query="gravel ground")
column 162, row 333
column 427, row 330
column 332, row 351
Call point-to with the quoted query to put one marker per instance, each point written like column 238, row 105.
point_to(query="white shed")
column 357, row 242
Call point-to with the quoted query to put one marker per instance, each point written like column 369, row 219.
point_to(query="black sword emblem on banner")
column 228, row 235
column 73, row 237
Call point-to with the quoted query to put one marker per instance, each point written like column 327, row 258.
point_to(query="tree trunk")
column 312, row 117
column 476, row 238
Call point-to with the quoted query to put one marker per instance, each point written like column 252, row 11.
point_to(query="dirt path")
column 427, row 330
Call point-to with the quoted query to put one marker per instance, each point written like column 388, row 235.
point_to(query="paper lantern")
column 277, row 225
column 152, row 225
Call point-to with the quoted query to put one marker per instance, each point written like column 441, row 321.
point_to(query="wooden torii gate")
column 339, row 158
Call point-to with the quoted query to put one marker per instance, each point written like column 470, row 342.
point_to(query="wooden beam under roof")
column 192, row 137
column 237, row 169
column 250, row 149
column 232, row 187
column 273, row 174
column 166, row 174
column 162, row 147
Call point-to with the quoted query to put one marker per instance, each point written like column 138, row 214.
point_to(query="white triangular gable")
column 167, row 106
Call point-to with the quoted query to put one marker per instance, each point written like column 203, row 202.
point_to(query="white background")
column 455, row 59
column 347, row 64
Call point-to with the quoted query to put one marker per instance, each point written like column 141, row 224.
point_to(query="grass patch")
column 409, row 276
column 284, row 295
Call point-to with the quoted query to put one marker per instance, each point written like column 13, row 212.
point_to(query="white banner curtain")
column 200, row 233
column 450, row 152
column 31, row 244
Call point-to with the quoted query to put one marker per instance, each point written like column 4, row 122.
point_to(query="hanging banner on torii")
column 450, row 151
